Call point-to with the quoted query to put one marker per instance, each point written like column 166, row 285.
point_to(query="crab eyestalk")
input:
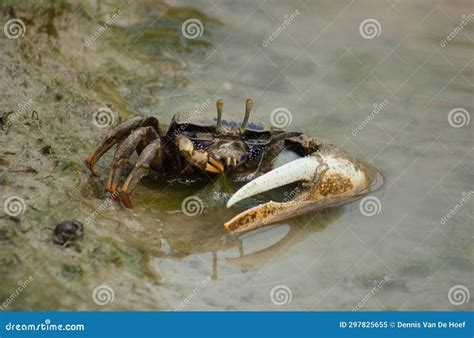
column 219, row 107
column 248, row 108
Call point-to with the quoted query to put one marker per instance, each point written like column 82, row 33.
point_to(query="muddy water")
column 328, row 77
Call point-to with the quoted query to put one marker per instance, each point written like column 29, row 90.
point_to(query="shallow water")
column 328, row 77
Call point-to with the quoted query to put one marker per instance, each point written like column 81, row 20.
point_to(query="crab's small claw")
column 330, row 177
column 214, row 164
column 198, row 158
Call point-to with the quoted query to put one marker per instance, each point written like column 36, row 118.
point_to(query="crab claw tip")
column 125, row 199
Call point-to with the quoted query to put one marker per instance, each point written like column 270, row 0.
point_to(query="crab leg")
column 141, row 167
column 123, row 153
column 114, row 136
column 330, row 177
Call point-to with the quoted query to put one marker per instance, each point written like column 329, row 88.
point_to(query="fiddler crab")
column 248, row 152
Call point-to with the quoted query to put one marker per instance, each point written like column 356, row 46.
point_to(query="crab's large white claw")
column 302, row 169
column 332, row 178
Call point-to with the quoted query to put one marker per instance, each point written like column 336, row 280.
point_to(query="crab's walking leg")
column 143, row 163
column 123, row 153
column 117, row 135
column 113, row 137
